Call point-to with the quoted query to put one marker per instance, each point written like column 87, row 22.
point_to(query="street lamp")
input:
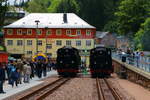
column 37, row 23
column 46, row 39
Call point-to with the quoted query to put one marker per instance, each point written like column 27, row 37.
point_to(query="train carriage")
column 100, row 62
column 68, row 61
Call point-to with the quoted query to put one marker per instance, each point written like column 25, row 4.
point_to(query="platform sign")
column 2, row 48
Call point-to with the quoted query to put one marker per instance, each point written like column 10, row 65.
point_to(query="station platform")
column 21, row 87
column 134, row 69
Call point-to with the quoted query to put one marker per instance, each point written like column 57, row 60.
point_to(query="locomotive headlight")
column 72, row 62
column 92, row 51
column 94, row 62
column 61, row 62
column 106, row 62
column 66, row 50
column 100, row 52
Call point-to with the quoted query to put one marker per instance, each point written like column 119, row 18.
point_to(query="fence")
column 140, row 62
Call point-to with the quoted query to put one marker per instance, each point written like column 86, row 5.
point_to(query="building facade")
column 46, row 33
column 106, row 39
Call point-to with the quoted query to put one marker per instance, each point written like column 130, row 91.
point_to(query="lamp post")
column 46, row 39
column 37, row 23
column 85, row 57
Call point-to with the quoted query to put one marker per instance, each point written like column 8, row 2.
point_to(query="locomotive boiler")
column 101, row 62
column 68, row 61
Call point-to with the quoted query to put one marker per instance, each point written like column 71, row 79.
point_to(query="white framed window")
column 48, row 46
column 78, row 32
column 29, row 31
column 19, row 32
column 58, row 32
column 39, row 42
column 39, row 31
column 58, row 42
column 68, row 43
column 29, row 52
column 88, row 32
column 88, row 42
column 68, row 32
column 9, row 31
column 78, row 43
column 48, row 32
column 29, row 42
column 9, row 42
column 19, row 42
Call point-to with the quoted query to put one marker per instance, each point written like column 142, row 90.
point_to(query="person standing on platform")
column 44, row 68
column 137, row 56
column 32, row 69
column 19, row 66
column 15, row 76
column 49, row 65
column 27, row 72
column 2, row 77
column 39, row 69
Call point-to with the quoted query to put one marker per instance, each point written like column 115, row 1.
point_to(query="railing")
column 140, row 62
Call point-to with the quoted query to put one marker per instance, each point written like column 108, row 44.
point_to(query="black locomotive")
column 100, row 62
column 68, row 61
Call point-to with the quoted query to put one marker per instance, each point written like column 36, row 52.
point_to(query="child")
column 15, row 77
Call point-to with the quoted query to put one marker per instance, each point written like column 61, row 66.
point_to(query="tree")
column 97, row 12
column 142, row 37
column 38, row 6
column 130, row 15
column 68, row 6
column 3, row 9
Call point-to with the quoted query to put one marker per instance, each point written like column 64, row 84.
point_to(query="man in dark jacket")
column 39, row 69
column 44, row 68
column 2, row 77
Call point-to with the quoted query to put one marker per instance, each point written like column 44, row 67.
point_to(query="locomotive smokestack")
column 65, row 17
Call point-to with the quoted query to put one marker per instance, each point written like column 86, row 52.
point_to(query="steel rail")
column 34, row 93
column 50, row 91
column 114, row 92
column 99, row 90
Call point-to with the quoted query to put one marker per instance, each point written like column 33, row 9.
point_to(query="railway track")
column 106, row 91
column 44, row 91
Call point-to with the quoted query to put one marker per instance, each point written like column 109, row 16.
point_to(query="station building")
column 46, row 32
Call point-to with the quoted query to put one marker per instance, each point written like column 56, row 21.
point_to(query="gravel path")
column 76, row 89
column 131, row 90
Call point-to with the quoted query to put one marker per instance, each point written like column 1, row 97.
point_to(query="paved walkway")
column 21, row 87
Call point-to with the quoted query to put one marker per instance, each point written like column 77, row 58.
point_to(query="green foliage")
column 54, row 5
column 3, row 9
column 142, row 37
column 130, row 15
column 68, row 6
column 38, row 6
column 111, row 26
column 97, row 12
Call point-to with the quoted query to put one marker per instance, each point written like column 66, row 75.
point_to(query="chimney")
column 65, row 17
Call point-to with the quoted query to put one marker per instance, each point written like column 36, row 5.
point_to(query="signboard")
column 2, row 48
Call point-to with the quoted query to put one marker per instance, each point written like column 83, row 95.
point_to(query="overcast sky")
column 12, row 1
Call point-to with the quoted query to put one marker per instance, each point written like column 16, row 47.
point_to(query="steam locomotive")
column 101, row 62
column 68, row 61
